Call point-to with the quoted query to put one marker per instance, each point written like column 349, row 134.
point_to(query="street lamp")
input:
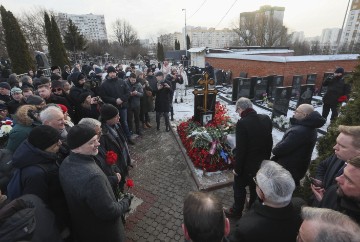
column 184, row 9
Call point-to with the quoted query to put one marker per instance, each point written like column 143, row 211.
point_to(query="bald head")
column 303, row 111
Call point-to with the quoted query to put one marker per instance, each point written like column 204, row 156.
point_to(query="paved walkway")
column 162, row 179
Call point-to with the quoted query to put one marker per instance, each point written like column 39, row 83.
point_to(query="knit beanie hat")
column 63, row 108
column 43, row 137
column 81, row 76
column 111, row 69
column 79, row 135
column 108, row 111
column 5, row 85
column 34, row 100
column 83, row 96
column 15, row 90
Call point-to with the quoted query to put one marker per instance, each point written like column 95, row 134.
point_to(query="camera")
column 98, row 99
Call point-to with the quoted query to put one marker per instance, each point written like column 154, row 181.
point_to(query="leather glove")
column 129, row 197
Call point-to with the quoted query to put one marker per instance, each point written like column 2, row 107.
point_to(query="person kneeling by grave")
column 294, row 150
column 275, row 214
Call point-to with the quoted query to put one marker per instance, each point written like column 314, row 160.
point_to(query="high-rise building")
column 351, row 32
column 329, row 38
column 168, row 40
column 91, row 26
column 210, row 37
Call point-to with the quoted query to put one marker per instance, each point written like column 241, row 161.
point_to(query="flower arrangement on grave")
column 6, row 127
column 205, row 145
column 282, row 122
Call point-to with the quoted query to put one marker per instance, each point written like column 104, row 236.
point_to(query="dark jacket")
column 264, row 223
column 43, row 183
column 57, row 100
column 294, row 150
column 134, row 101
column 146, row 101
column 17, row 135
column 342, row 204
column 13, row 105
column 152, row 83
column 328, row 170
column 117, row 144
column 113, row 88
column 253, row 142
column 336, row 87
column 95, row 213
column 163, row 99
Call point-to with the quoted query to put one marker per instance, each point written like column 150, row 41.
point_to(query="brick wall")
column 287, row 69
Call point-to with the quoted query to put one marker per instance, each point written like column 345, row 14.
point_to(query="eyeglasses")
column 56, row 89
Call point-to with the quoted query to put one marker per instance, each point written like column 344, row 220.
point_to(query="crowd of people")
column 70, row 161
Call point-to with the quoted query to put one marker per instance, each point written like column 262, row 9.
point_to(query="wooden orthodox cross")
column 205, row 82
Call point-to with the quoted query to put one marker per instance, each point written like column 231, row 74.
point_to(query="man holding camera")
column 336, row 88
column 173, row 78
column 163, row 100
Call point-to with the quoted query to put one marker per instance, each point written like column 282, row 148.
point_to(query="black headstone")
column 311, row 78
column 243, row 74
column 260, row 90
column 219, row 77
column 278, row 81
column 323, row 89
column 244, row 88
column 199, row 106
column 296, row 83
column 269, row 83
column 306, row 93
column 235, row 86
column 281, row 103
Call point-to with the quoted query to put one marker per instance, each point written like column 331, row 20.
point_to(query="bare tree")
column 33, row 28
column 124, row 33
column 262, row 30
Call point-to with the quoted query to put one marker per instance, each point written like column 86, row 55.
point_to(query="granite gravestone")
column 204, row 100
column 270, row 80
column 278, row 81
column 244, row 88
column 243, row 74
column 235, row 87
column 260, row 90
column 281, row 103
column 296, row 83
column 323, row 89
column 219, row 77
column 306, row 94
column 311, row 78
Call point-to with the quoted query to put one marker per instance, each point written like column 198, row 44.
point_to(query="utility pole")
column 184, row 9
column 342, row 29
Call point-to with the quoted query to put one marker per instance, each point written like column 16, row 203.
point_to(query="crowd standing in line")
column 70, row 150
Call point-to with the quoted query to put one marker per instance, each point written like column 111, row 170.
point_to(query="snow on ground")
column 184, row 111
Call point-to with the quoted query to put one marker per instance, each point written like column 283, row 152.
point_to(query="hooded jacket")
column 294, row 150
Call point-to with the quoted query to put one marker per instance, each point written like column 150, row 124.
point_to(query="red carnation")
column 8, row 122
column 129, row 183
column 111, row 157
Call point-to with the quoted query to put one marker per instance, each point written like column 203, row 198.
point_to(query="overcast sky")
column 152, row 18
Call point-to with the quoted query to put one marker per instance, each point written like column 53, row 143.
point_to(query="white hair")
column 47, row 113
column 276, row 183
column 243, row 103
column 331, row 226
column 90, row 123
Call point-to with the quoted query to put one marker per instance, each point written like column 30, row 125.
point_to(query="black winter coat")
column 163, row 99
column 336, row 87
column 95, row 213
column 264, row 223
column 294, row 150
column 253, row 142
column 113, row 88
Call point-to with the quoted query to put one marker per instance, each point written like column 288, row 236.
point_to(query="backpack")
column 17, row 221
column 15, row 186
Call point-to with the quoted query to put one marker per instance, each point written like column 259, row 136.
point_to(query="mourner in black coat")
column 294, row 150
